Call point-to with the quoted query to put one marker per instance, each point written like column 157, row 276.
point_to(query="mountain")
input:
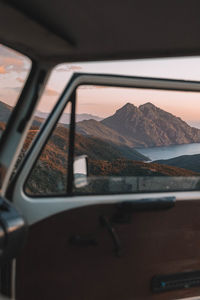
column 122, row 167
column 189, row 162
column 99, row 130
column 95, row 148
column 149, row 126
column 102, row 150
column 65, row 118
column 5, row 112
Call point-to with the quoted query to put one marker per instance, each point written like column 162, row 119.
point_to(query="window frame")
column 70, row 200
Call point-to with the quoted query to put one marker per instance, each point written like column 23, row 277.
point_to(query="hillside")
column 149, row 126
column 189, row 162
column 99, row 130
column 95, row 148
column 5, row 112
column 50, row 172
column 122, row 167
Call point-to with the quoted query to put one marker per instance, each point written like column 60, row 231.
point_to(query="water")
column 155, row 153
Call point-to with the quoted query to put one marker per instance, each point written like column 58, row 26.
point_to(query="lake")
column 155, row 153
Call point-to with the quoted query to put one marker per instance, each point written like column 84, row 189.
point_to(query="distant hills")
column 65, row 118
column 189, row 162
column 94, row 145
column 5, row 111
column 130, row 126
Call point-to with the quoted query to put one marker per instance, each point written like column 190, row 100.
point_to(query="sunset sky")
column 14, row 69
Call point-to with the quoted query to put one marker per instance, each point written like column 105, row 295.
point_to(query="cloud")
column 73, row 68
column 51, row 92
column 19, row 79
column 12, row 64
column 12, row 61
column 2, row 70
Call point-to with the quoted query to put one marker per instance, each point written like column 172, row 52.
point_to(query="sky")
column 14, row 69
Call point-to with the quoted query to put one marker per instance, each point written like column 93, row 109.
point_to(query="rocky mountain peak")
column 128, row 107
column 147, row 105
column 150, row 126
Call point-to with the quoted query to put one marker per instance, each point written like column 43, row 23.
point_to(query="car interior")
column 99, row 150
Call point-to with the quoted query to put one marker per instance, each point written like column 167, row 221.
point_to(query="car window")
column 49, row 174
column 135, row 140
column 138, row 140
column 14, row 69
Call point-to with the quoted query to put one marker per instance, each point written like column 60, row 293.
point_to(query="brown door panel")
column 153, row 243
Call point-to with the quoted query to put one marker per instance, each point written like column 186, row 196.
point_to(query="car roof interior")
column 66, row 31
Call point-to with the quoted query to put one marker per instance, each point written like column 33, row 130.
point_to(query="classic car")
column 86, row 211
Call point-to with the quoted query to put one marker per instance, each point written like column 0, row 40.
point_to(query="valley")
column 113, row 147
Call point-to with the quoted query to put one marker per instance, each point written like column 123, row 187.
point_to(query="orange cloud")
column 21, row 80
column 2, row 70
column 9, row 61
column 11, row 64
column 50, row 92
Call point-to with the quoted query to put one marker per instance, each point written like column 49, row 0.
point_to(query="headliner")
column 63, row 31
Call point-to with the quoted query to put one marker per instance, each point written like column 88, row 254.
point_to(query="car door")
column 117, row 239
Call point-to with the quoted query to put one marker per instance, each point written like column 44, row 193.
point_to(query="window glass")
column 14, row 69
column 138, row 140
column 49, row 175
column 91, row 105
column 52, row 91
column 56, row 83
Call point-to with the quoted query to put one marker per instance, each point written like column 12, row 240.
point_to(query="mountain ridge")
column 65, row 118
column 132, row 126
column 151, row 126
column 188, row 162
